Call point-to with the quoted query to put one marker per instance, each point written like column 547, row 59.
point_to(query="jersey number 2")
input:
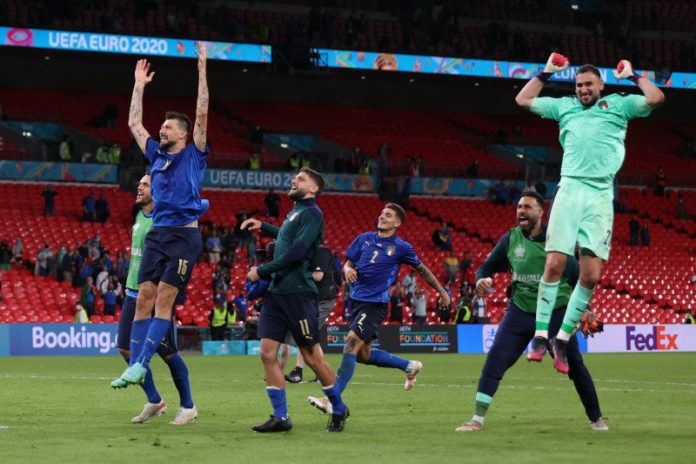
column 374, row 256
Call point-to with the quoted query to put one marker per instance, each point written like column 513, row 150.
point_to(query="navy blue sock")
column 180, row 376
column 345, row 371
column 138, row 334
column 148, row 385
column 155, row 334
column 381, row 358
column 277, row 397
column 334, row 395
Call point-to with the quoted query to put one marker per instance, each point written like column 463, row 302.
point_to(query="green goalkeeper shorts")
column 581, row 215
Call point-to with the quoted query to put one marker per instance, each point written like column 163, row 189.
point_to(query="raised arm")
column 532, row 89
column 653, row 95
column 143, row 76
column 431, row 280
column 200, row 128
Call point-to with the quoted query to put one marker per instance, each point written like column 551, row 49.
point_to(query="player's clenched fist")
column 556, row 63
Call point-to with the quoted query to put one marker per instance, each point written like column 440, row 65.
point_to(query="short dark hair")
column 181, row 118
column 531, row 193
column 589, row 68
column 400, row 212
column 316, row 177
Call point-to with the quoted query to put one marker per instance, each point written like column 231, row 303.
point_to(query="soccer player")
column 167, row 349
column 174, row 243
column 291, row 302
column 372, row 267
column 521, row 250
column 592, row 133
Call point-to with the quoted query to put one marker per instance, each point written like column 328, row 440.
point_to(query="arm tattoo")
column 136, row 108
column 201, row 124
column 429, row 278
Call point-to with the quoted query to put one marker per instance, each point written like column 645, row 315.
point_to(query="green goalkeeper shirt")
column 592, row 137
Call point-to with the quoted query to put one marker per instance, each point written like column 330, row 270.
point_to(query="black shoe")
column 559, row 349
column 295, row 376
column 337, row 422
column 537, row 350
column 273, row 425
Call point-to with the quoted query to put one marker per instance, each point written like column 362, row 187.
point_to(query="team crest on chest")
column 519, row 252
column 391, row 250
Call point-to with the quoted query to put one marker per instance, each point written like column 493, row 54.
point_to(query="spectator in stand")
column 89, row 208
column 219, row 317
column 102, row 281
column 88, row 296
column 257, row 138
column 682, row 213
column 101, row 209
column 17, row 251
column 65, row 149
column 408, row 283
column 451, row 267
column 645, row 235
column 272, row 202
column 442, row 239
column 49, row 201
column 214, row 246
column 501, row 193
column 118, row 288
column 239, row 305
column 254, row 163
column 122, row 265
column 67, row 265
column 634, row 230
column 81, row 316
column 660, row 182
column 57, row 270
column 420, row 302
column 44, row 261
column 465, row 264
column 5, row 256
column 245, row 236
column 473, row 171
column 396, row 304
column 110, row 300
column 293, row 163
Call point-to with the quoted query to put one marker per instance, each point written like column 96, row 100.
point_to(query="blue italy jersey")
column 176, row 184
column 377, row 262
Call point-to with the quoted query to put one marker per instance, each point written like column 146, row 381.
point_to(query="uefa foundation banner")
column 399, row 339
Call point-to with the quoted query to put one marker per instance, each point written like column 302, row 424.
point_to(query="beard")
column 167, row 145
column 297, row 194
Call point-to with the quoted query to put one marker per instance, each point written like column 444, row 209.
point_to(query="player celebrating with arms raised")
column 372, row 266
column 592, row 133
column 174, row 243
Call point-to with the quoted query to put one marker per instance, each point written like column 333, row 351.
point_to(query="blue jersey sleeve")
column 409, row 255
column 353, row 251
column 151, row 148
column 202, row 155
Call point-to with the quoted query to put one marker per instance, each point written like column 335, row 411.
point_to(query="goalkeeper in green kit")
column 592, row 133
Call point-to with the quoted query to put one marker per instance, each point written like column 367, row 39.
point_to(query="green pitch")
column 61, row 410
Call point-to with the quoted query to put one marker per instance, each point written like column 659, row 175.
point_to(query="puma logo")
column 545, row 301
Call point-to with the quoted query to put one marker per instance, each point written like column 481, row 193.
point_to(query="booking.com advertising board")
column 100, row 339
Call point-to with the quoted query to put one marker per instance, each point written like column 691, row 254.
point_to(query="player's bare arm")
column 143, row 76
column 532, row 89
column 251, row 224
column 431, row 280
column 200, row 127
column 349, row 271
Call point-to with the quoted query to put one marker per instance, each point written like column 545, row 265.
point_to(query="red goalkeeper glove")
column 624, row 70
column 555, row 63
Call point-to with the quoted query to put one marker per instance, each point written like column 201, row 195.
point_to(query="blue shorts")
column 295, row 313
column 366, row 317
column 125, row 323
column 169, row 256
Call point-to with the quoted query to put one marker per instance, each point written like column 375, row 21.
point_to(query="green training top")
column 142, row 226
column 297, row 239
column 592, row 137
column 527, row 259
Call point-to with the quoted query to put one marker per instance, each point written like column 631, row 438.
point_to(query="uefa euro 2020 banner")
column 128, row 44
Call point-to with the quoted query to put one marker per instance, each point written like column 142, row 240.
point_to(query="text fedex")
column 654, row 340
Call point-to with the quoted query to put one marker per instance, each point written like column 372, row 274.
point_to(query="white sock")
column 478, row 419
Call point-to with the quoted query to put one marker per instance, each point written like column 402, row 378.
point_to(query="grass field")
column 61, row 410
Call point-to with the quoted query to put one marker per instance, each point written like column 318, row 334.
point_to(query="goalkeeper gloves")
column 556, row 62
column 590, row 324
column 624, row 70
